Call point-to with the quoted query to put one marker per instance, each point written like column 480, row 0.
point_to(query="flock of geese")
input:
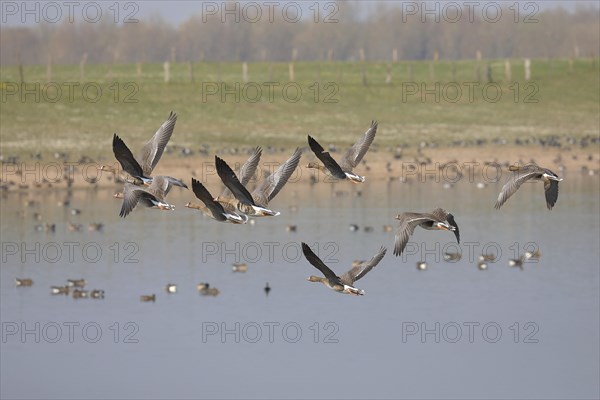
column 236, row 204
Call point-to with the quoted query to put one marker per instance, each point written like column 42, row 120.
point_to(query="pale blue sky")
column 178, row 11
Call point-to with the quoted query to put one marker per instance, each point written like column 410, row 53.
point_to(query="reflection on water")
column 449, row 331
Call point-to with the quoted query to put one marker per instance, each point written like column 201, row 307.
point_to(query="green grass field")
column 334, row 105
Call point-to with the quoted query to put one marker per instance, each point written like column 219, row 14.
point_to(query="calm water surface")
column 449, row 331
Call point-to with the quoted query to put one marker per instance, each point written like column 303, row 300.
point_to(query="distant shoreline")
column 444, row 164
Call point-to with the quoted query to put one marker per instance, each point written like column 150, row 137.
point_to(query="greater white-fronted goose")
column 348, row 162
column 141, row 169
column 270, row 186
column 213, row 208
column 151, row 196
column 408, row 221
column 530, row 172
column 245, row 203
column 245, row 173
column 345, row 282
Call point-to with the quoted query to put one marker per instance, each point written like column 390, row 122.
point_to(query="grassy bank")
column 330, row 100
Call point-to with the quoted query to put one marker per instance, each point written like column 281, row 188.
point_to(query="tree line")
column 389, row 31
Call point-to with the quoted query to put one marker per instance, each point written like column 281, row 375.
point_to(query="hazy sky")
column 175, row 12
column 178, row 11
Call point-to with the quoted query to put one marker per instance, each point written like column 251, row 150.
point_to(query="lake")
column 449, row 331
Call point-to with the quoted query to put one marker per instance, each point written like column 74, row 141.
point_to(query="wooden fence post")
column 49, row 69
column 166, row 71
column 388, row 77
column 527, row 69
column 291, row 64
column 478, row 66
column 191, row 71
column 245, row 72
column 507, row 70
column 361, row 54
column 82, row 67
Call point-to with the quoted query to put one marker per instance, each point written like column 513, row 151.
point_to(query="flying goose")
column 212, row 207
column 141, row 168
column 348, row 162
column 151, row 196
column 530, row 172
column 246, row 171
column 437, row 219
column 271, row 185
column 245, row 203
column 345, row 282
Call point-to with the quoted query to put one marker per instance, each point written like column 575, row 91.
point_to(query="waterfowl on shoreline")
column 245, row 202
column 437, row 219
column 270, row 186
column 530, row 172
column 345, row 282
column 95, row 226
column 73, row 227
column 47, row 228
column 151, row 196
column 348, row 162
column 213, row 208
